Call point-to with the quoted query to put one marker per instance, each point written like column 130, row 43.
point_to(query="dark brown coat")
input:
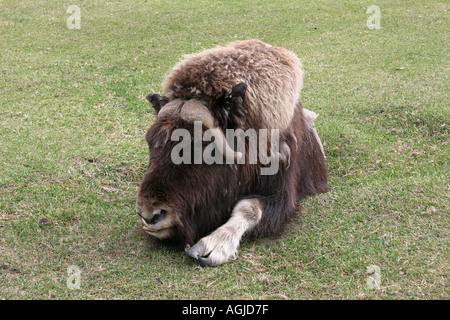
column 204, row 195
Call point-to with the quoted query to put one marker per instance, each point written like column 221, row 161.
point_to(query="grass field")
column 72, row 150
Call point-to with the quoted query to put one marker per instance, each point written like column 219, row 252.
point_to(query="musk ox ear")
column 157, row 101
column 229, row 110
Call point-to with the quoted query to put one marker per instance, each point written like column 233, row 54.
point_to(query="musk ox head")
column 167, row 197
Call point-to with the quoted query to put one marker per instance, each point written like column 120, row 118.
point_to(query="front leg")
column 222, row 245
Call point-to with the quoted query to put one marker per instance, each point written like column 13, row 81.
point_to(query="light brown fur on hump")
column 273, row 76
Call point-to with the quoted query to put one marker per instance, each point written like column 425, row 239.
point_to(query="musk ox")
column 209, row 207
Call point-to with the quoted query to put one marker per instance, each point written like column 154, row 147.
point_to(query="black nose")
column 156, row 217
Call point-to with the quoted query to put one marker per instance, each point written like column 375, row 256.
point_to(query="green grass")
column 72, row 150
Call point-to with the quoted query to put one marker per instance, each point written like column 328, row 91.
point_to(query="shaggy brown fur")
column 273, row 76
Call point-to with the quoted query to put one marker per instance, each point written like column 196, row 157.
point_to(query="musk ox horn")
column 194, row 110
column 310, row 116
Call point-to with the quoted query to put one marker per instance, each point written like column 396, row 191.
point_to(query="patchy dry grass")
column 72, row 153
